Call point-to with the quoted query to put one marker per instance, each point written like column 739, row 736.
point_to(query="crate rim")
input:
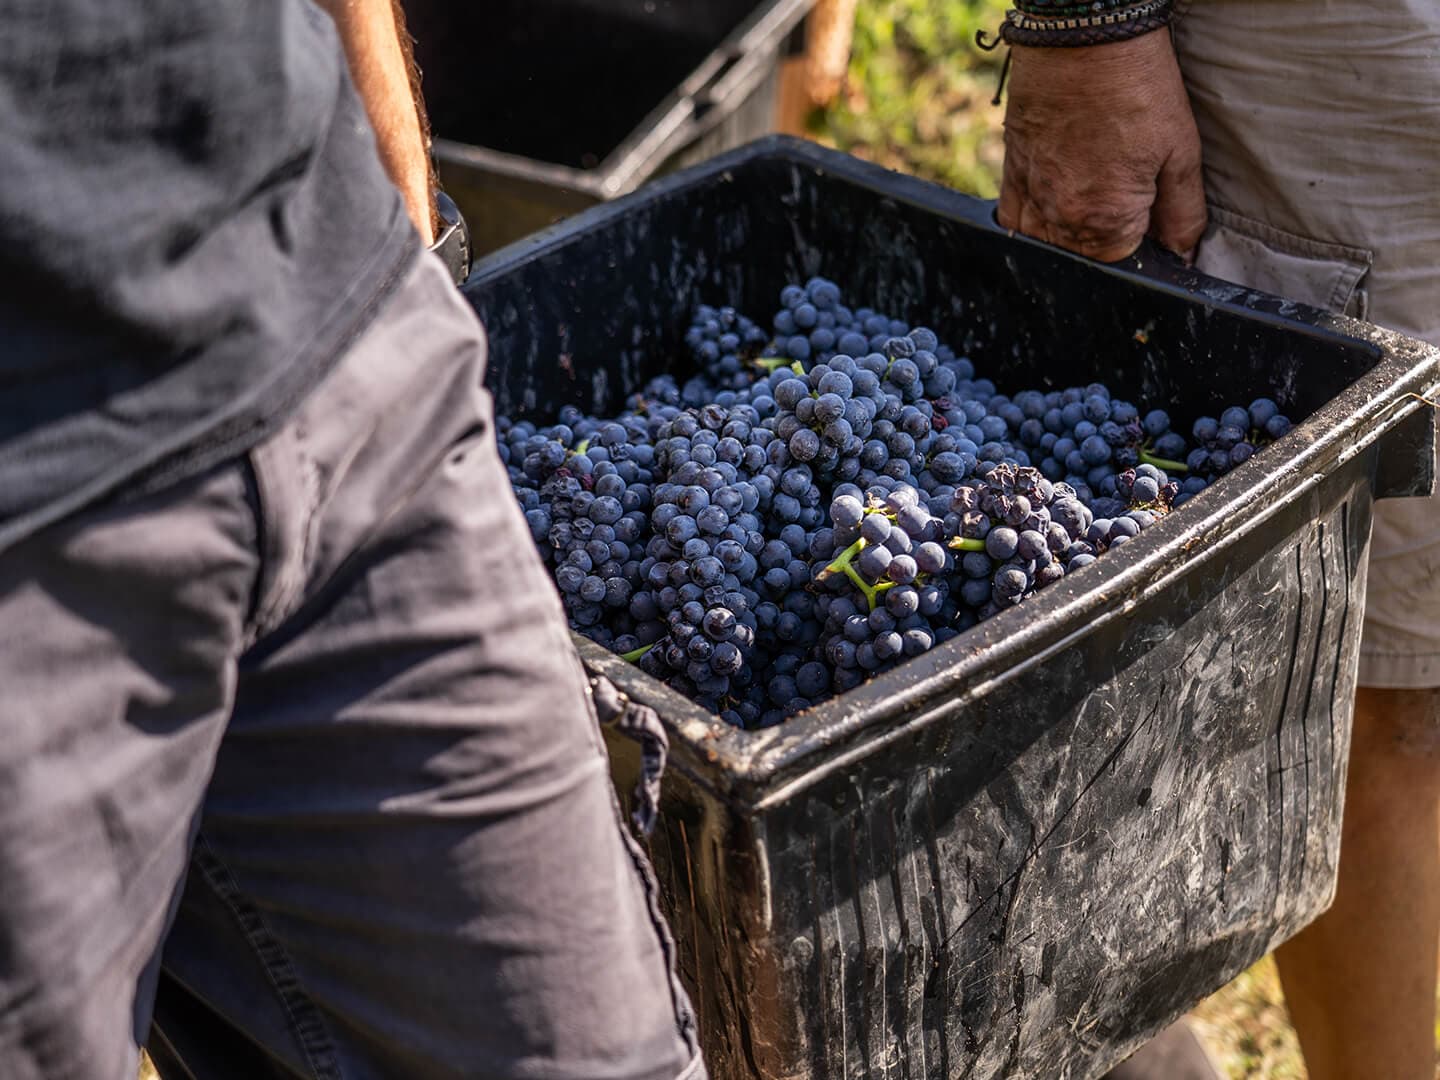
column 755, row 770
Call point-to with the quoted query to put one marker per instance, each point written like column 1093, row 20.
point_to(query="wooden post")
column 812, row 80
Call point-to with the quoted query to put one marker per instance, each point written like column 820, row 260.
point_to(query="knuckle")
column 1106, row 251
column 1087, row 217
column 1096, row 232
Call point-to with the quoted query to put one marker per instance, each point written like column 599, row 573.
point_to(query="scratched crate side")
column 1038, row 885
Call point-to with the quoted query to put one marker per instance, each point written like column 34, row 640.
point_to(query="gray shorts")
column 313, row 723
column 1321, row 131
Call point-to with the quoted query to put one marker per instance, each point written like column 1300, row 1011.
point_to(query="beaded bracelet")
column 1071, row 7
column 1075, row 7
column 1066, row 25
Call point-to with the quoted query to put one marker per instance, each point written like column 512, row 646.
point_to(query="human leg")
column 411, row 831
column 1383, row 929
column 119, row 632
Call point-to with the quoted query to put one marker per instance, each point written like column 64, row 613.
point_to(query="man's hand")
column 1101, row 148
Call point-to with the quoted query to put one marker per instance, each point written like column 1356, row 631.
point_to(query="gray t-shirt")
column 193, row 224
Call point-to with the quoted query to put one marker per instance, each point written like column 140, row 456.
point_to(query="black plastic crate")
column 1028, row 850
column 544, row 107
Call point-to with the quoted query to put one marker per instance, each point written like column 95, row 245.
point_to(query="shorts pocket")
column 1259, row 256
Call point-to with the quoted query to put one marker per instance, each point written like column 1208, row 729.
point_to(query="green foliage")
column 918, row 93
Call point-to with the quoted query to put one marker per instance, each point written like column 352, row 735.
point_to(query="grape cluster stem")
column 842, row 564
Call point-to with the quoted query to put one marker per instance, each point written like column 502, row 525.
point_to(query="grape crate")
column 1015, row 851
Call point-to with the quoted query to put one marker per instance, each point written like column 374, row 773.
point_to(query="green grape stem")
column 843, row 564
column 1147, row 458
column 770, row 363
column 634, row 655
column 775, row 363
column 965, row 543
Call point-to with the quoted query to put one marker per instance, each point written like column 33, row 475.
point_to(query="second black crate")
column 544, row 107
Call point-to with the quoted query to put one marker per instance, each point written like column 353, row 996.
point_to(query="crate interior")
column 559, row 81
column 590, row 320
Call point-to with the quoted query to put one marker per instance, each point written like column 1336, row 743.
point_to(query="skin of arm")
column 1101, row 148
column 377, row 50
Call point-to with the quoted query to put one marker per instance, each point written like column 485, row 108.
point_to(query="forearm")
column 372, row 33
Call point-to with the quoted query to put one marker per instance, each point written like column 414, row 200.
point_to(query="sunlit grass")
column 1247, row 1029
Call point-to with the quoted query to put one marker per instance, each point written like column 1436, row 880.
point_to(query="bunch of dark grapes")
column 1143, row 496
column 724, row 344
column 810, row 508
column 584, row 487
column 1084, row 437
column 1013, row 532
column 847, row 418
column 885, row 582
column 1145, row 487
column 812, row 321
column 701, row 564
column 1230, row 441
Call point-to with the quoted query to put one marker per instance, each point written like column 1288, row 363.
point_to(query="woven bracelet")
column 1097, row 28
column 1071, row 7
column 1070, row 25
column 1078, row 8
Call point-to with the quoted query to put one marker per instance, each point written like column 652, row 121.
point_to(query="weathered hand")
column 1101, row 148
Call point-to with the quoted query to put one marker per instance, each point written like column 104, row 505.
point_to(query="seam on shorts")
column 1360, row 260
column 685, row 1022
column 251, row 491
column 304, row 1019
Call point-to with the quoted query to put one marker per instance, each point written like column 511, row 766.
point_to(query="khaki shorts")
column 1321, row 130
